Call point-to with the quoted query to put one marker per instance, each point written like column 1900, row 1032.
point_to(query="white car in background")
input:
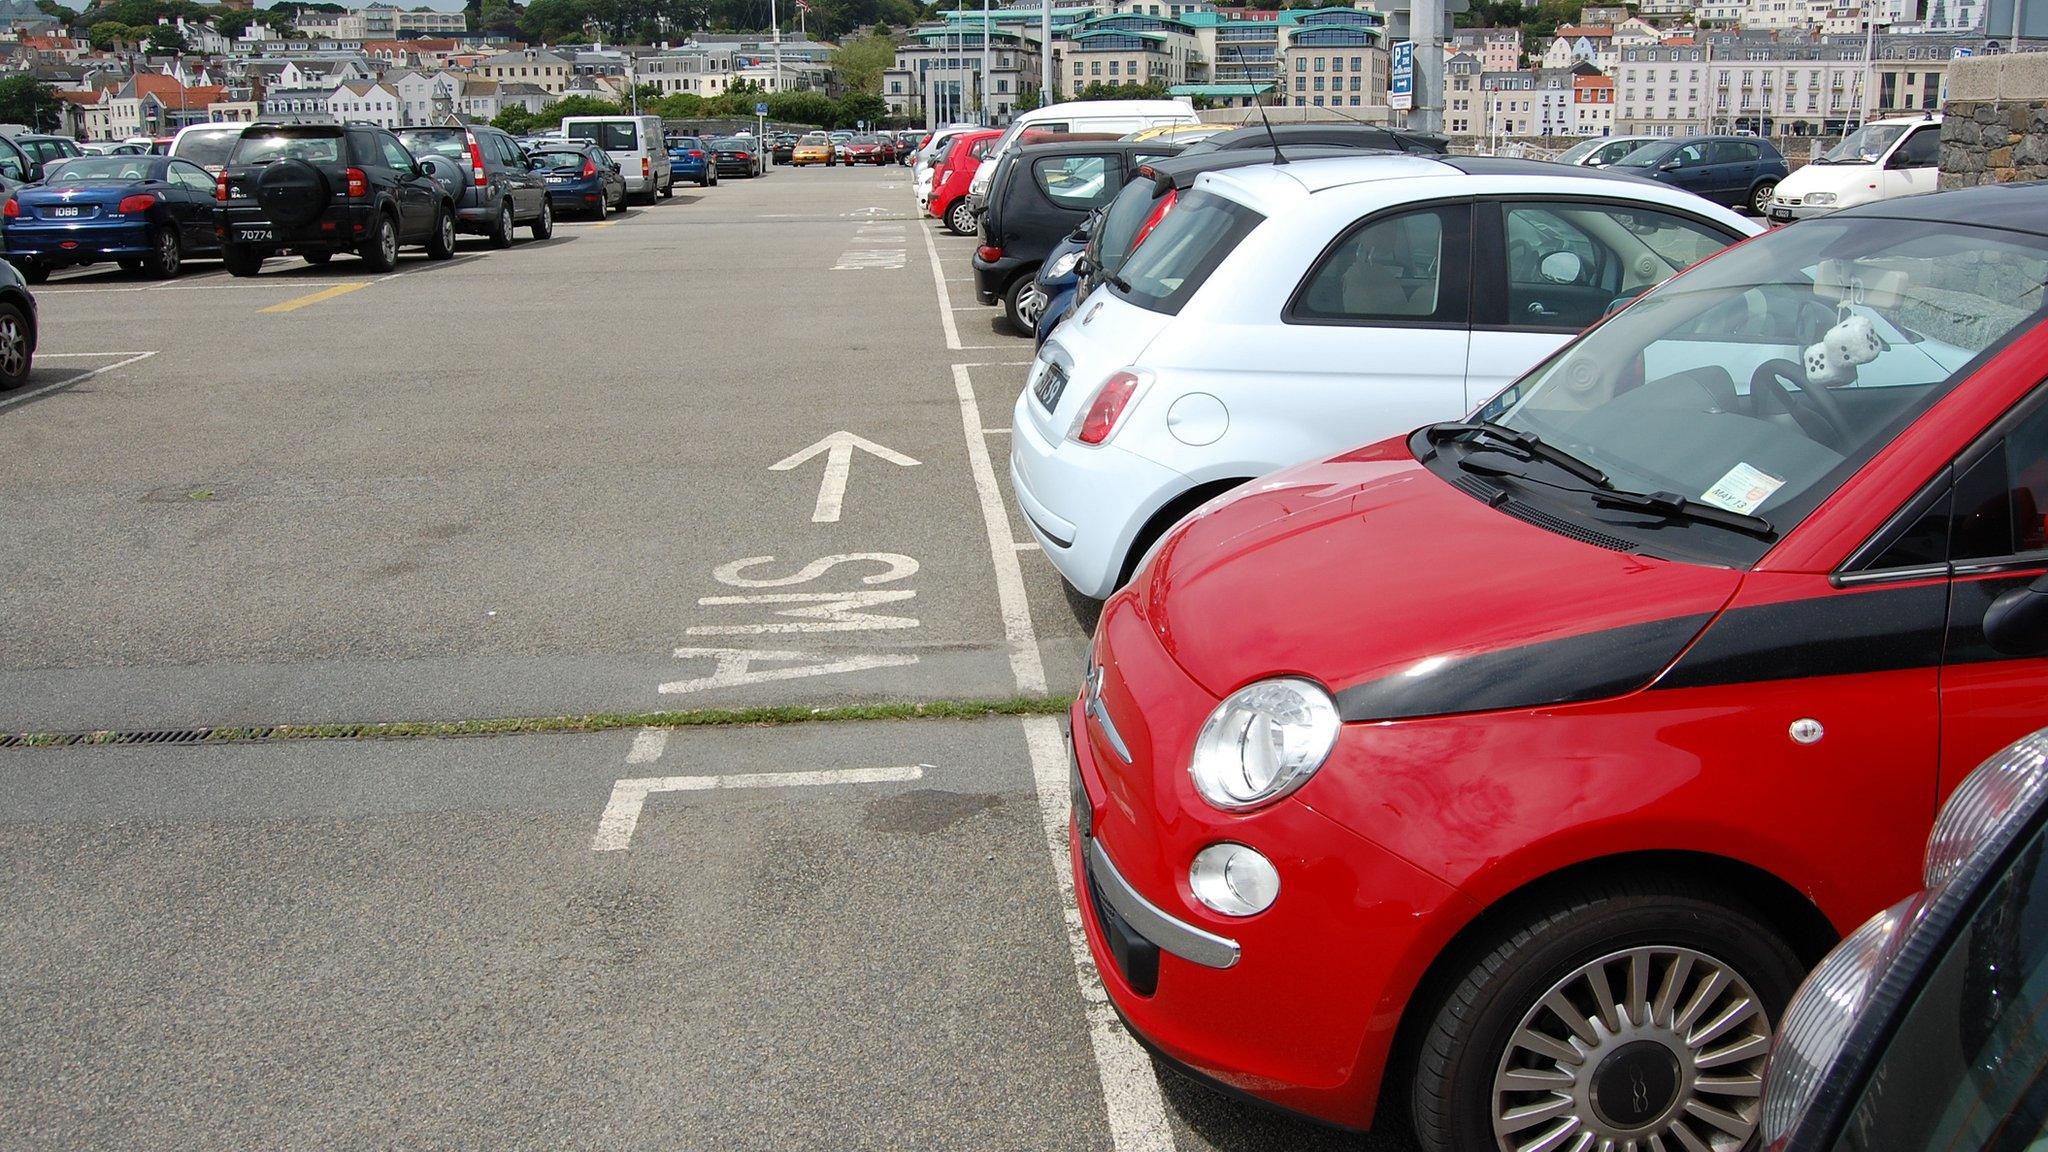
column 1878, row 161
column 1600, row 151
column 1110, row 118
column 1285, row 313
column 927, row 160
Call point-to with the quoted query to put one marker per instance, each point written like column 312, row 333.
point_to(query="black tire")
column 544, row 224
column 1470, row 1048
column 166, row 254
column 33, row 272
column 441, row 241
column 502, row 228
column 960, row 219
column 245, row 262
column 17, row 346
column 704, row 181
column 134, row 265
column 380, row 249
column 668, row 190
column 1014, row 308
column 318, row 259
column 292, row 193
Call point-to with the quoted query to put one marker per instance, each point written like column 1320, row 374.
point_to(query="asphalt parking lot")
column 740, row 448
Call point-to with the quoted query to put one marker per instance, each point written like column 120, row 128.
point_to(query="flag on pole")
column 801, row 6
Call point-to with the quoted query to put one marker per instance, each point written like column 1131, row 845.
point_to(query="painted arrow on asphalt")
column 838, row 449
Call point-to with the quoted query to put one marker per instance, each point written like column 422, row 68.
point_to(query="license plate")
column 68, row 211
column 247, row 234
column 1780, row 214
column 558, row 179
column 1049, row 385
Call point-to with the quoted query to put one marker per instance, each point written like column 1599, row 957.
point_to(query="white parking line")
column 1025, row 662
column 1130, row 1086
column 622, row 811
column 68, row 381
column 648, row 745
column 945, row 299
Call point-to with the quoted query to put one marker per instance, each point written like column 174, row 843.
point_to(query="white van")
column 1115, row 117
column 636, row 143
column 1882, row 159
column 207, row 145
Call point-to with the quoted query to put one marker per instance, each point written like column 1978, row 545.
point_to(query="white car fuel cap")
column 1197, row 419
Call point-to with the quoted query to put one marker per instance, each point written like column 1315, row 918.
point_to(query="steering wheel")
column 1816, row 411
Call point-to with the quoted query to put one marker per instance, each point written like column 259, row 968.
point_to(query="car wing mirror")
column 1561, row 267
column 1671, row 165
column 1624, row 300
column 2016, row 624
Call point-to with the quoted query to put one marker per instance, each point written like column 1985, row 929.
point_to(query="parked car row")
column 1507, row 775
column 243, row 193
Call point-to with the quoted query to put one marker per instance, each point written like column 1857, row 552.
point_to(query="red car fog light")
column 1234, row 880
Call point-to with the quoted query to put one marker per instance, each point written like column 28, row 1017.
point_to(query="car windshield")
column 1176, row 259
column 686, row 143
column 734, row 144
column 865, row 140
column 558, row 158
column 1760, row 380
column 1866, row 145
column 263, row 147
column 440, row 143
column 615, row 135
column 815, row 138
column 1579, row 151
column 210, row 147
column 1646, row 156
column 1120, row 224
column 85, row 169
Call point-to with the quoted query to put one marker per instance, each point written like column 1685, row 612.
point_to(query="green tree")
column 27, row 100
column 551, row 21
column 1153, row 90
column 166, row 38
column 858, row 106
column 677, row 106
column 1026, row 100
column 106, row 34
column 860, row 62
column 804, row 108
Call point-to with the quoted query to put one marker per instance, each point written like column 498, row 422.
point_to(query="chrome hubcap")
column 387, row 241
column 13, row 347
column 167, row 251
column 1649, row 1050
column 504, row 221
column 1763, row 198
column 1029, row 308
column 447, row 232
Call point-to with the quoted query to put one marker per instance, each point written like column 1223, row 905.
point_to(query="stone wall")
column 1994, row 128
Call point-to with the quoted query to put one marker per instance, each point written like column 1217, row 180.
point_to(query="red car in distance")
column 948, row 202
column 1509, row 775
column 870, row 150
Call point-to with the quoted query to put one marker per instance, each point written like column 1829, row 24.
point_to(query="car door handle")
column 1536, row 308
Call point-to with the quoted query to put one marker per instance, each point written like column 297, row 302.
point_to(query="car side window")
column 362, row 144
column 1690, row 156
column 508, row 152
column 1921, row 150
column 1078, row 182
column 190, row 176
column 12, row 165
column 395, row 154
column 1409, row 267
column 2001, row 500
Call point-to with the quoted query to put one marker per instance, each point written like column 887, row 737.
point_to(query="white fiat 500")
column 1286, row 312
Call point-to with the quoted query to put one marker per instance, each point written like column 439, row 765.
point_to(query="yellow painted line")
column 298, row 302
column 606, row 224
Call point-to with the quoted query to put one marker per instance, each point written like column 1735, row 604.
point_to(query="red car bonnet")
column 1407, row 597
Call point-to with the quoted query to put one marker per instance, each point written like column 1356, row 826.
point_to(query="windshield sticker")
column 1742, row 489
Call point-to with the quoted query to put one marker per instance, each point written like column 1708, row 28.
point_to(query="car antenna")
column 1279, row 157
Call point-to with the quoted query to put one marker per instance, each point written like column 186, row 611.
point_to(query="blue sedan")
column 581, row 177
column 148, row 212
column 691, row 160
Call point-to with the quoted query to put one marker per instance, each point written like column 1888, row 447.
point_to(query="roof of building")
column 1589, row 31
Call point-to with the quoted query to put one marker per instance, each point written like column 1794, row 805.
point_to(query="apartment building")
column 1592, row 104
column 1498, row 49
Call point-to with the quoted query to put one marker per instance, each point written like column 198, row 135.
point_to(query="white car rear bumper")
column 1084, row 504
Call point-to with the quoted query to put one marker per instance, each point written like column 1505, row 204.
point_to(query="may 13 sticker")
column 1742, row 489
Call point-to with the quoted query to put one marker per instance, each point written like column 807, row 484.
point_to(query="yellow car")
column 814, row 148
column 1180, row 133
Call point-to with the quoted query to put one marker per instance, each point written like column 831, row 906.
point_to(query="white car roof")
column 1273, row 188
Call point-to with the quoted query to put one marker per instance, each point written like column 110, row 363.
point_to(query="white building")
column 371, row 101
column 1658, row 91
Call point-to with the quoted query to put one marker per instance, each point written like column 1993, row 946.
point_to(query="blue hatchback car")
column 691, row 160
column 148, row 212
column 581, row 177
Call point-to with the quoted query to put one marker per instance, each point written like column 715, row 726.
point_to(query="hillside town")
column 1661, row 68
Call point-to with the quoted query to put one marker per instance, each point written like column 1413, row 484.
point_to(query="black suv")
column 318, row 189
column 495, row 188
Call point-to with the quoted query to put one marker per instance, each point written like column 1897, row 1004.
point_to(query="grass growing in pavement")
column 593, row 722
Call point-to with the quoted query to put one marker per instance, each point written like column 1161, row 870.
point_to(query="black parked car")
column 495, row 188
column 318, row 189
column 738, row 156
column 18, row 327
column 1344, row 135
column 580, row 177
column 1739, row 171
column 1037, row 196
column 784, row 148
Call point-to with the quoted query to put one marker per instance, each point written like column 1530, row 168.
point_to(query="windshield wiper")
column 1529, row 447
column 1117, row 282
column 1525, row 445
column 1683, row 507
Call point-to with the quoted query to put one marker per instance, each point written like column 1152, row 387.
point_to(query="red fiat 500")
column 1512, row 773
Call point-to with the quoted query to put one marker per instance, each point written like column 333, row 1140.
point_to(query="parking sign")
column 761, row 108
column 1401, row 84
